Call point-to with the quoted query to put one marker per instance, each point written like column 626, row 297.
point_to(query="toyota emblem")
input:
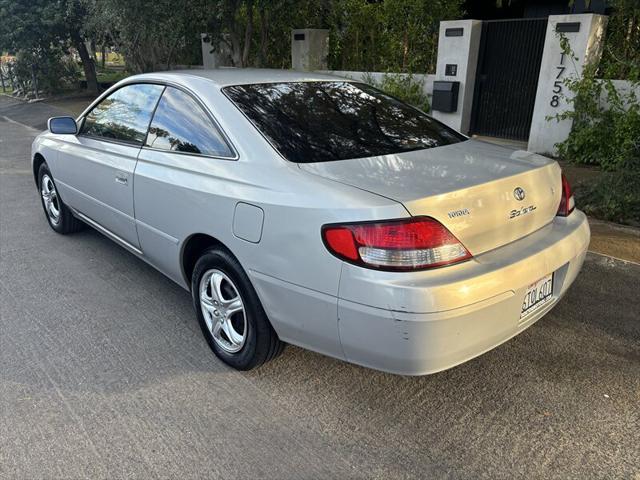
column 518, row 193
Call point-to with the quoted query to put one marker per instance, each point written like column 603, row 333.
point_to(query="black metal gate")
column 507, row 77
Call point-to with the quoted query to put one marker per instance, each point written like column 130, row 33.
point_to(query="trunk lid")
column 486, row 195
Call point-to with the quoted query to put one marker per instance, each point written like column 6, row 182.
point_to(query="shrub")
column 614, row 196
column 53, row 72
column 605, row 133
column 405, row 87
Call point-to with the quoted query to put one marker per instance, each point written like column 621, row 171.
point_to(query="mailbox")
column 445, row 96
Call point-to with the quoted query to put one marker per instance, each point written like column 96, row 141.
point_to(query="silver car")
column 318, row 211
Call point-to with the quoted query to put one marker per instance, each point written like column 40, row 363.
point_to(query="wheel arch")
column 38, row 160
column 192, row 249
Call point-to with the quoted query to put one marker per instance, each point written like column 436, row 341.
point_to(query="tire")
column 243, row 339
column 60, row 218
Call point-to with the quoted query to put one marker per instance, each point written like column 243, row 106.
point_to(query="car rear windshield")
column 336, row 120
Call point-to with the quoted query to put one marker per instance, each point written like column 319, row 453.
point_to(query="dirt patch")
column 615, row 240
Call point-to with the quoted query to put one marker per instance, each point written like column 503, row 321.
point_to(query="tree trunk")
column 234, row 41
column 87, row 63
column 34, row 81
column 248, row 32
column 236, row 49
column 405, row 50
column 264, row 35
column 94, row 55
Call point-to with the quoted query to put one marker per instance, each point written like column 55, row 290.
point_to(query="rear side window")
column 124, row 115
column 326, row 121
column 181, row 125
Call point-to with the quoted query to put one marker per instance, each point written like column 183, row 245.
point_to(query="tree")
column 621, row 56
column 393, row 35
column 74, row 18
column 43, row 27
column 232, row 24
column 150, row 34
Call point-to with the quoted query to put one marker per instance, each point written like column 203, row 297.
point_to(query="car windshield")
column 336, row 120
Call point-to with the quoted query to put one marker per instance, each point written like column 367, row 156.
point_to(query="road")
column 104, row 374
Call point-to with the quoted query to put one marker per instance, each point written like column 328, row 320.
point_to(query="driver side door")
column 95, row 168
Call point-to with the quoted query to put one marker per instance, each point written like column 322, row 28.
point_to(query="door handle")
column 121, row 179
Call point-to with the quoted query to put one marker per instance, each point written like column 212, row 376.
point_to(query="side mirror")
column 63, row 125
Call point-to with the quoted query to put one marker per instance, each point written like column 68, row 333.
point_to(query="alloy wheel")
column 50, row 199
column 223, row 310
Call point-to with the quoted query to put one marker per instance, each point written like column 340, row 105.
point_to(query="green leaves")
column 405, row 87
column 605, row 133
column 621, row 55
column 394, row 35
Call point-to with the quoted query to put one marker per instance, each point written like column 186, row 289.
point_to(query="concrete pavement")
column 104, row 374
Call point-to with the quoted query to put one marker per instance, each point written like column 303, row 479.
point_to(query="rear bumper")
column 433, row 320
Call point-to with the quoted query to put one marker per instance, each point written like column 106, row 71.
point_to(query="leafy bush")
column 615, row 196
column 606, row 122
column 405, row 87
column 53, row 73
column 621, row 55
column 389, row 35
column 605, row 133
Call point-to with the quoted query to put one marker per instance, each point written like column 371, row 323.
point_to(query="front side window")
column 181, row 125
column 335, row 120
column 124, row 115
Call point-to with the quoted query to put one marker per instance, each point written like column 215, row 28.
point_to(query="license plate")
column 538, row 294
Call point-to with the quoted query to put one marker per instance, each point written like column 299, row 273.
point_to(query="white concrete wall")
column 463, row 52
column 551, row 97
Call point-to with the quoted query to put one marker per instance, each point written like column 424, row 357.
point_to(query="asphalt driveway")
column 104, row 374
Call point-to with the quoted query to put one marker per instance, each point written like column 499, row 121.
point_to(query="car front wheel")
column 58, row 214
column 230, row 314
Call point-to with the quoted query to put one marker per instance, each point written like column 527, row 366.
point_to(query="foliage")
column 606, row 120
column 53, row 73
column 621, row 55
column 41, row 29
column 399, row 35
column 606, row 133
column 152, row 44
column 394, row 35
column 405, row 87
column 606, row 124
column 108, row 75
column 614, row 196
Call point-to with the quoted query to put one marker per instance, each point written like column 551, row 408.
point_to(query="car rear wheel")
column 230, row 314
column 58, row 214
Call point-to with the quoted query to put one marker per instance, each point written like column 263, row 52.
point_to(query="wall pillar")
column 214, row 56
column 309, row 49
column 458, row 47
column 585, row 33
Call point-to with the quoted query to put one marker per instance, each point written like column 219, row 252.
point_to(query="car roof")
column 224, row 77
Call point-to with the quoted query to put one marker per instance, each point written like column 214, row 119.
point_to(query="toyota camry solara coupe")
column 318, row 211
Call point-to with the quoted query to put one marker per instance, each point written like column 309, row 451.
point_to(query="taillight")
column 409, row 244
column 567, row 203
